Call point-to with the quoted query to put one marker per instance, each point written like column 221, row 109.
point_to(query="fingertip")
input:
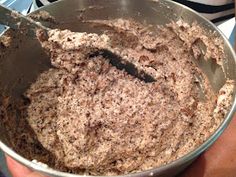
column 16, row 169
column 35, row 174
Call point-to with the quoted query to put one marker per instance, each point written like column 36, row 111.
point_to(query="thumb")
column 17, row 170
column 34, row 174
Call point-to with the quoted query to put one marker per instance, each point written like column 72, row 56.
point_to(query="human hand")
column 219, row 160
column 17, row 170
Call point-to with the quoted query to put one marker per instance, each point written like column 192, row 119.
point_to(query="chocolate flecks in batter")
column 96, row 119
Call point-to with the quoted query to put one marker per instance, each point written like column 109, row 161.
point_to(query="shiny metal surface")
column 14, row 20
column 18, row 5
column 29, row 61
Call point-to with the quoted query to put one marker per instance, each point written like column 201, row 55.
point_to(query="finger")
column 34, row 174
column 219, row 160
column 16, row 169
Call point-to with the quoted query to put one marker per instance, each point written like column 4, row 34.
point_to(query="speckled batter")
column 103, row 121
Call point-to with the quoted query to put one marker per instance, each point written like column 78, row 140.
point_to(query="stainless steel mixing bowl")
column 20, row 67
